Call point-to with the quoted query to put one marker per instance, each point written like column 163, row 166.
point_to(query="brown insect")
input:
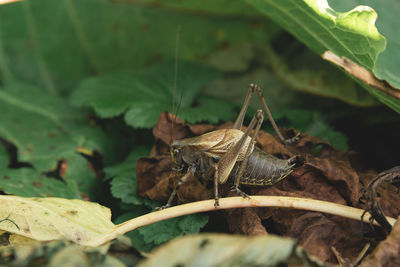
column 230, row 153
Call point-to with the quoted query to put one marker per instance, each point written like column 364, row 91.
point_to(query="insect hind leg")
column 239, row 121
column 257, row 120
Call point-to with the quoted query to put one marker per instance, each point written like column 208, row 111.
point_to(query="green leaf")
column 148, row 237
column 312, row 123
column 230, row 250
column 3, row 157
column 137, row 239
column 388, row 64
column 317, row 126
column 123, row 175
column 220, row 7
column 128, row 165
column 27, row 182
column 351, row 34
column 55, row 45
column 43, row 129
column 143, row 96
column 207, row 108
column 307, row 72
column 282, row 66
column 124, row 187
column 160, row 232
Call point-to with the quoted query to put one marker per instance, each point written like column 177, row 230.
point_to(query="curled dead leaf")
column 387, row 252
column 327, row 175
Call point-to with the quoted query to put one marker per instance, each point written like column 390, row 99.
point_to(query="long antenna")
column 178, row 33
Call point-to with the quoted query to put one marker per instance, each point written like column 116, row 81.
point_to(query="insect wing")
column 229, row 139
column 201, row 142
column 215, row 143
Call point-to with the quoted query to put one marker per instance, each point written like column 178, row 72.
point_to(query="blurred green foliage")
column 87, row 78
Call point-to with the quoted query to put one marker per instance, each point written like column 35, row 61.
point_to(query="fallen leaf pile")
column 387, row 252
column 327, row 174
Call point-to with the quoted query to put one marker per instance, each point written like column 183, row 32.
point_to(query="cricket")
column 230, row 154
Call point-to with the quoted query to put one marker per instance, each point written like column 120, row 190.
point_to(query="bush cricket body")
column 230, row 153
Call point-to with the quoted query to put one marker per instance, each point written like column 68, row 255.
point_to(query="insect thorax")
column 185, row 157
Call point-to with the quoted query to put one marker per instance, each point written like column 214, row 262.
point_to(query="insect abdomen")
column 265, row 169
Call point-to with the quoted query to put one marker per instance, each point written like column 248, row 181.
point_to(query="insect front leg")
column 189, row 174
column 216, row 196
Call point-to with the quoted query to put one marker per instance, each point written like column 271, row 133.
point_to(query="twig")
column 234, row 202
column 362, row 74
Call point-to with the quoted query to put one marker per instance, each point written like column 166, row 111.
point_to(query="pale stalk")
column 2, row 2
column 236, row 202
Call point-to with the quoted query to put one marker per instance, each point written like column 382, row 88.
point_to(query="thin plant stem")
column 235, row 202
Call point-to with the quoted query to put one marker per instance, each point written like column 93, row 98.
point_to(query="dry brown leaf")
column 247, row 222
column 387, row 253
column 327, row 176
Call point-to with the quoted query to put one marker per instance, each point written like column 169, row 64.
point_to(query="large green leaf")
column 388, row 63
column 307, row 72
column 44, row 131
column 56, row 44
column 351, row 34
column 3, row 157
column 142, row 96
column 283, row 65
column 219, row 7
column 27, row 182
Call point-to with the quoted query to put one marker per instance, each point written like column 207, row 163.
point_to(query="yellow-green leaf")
column 229, row 250
column 54, row 218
